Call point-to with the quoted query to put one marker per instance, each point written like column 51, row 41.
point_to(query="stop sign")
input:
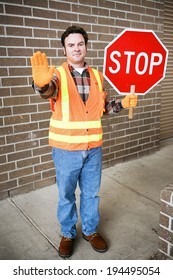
column 135, row 57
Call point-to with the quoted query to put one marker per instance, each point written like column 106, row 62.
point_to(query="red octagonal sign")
column 135, row 57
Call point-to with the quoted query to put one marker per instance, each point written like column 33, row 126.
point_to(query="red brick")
column 35, row 22
column 97, row 11
column 3, row 177
column 37, row 43
column 23, row 71
column 16, row 119
column 166, row 234
column 28, row 162
column 49, row 173
column 5, row 111
column 167, row 209
column 34, row 3
column 7, row 185
column 163, row 246
column 3, row 72
column 40, row 134
column 24, row 91
column 42, row 150
column 45, row 33
column 164, row 220
column 47, row 157
column 44, row 13
column 24, row 109
column 21, row 189
column 107, row 4
column 29, row 179
column 70, row 16
column 19, row 10
column 26, row 145
column 2, row 141
column 7, row 166
column 20, row 52
column 20, row 173
column 6, row 149
column 18, row 31
column 62, row 6
column 44, row 183
column 44, row 124
column 2, row 51
column 7, row 41
column 166, row 195
column 43, row 166
column 89, row 2
column 19, row 155
column 18, row 137
column 11, row 20
column 41, row 116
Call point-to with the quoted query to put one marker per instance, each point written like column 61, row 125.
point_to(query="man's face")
column 75, row 49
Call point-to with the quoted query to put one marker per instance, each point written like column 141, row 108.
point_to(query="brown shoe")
column 66, row 247
column 97, row 242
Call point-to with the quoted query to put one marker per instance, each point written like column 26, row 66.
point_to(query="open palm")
column 41, row 72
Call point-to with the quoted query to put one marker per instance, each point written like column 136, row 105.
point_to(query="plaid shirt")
column 82, row 82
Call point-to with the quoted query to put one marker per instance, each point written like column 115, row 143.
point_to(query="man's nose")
column 76, row 48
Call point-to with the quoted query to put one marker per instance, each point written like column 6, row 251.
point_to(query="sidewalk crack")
column 40, row 230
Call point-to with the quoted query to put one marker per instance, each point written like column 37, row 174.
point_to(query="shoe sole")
column 97, row 250
column 65, row 256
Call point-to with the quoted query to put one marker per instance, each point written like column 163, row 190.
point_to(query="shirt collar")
column 71, row 68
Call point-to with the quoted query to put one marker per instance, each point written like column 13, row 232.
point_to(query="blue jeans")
column 84, row 168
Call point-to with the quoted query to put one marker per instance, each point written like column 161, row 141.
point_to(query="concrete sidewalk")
column 130, row 208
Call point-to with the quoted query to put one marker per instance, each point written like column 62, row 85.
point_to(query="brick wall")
column 165, row 248
column 27, row 26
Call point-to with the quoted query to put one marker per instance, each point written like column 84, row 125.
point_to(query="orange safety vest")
column 75, row 125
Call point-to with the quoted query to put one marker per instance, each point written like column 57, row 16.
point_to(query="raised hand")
column 41, row 72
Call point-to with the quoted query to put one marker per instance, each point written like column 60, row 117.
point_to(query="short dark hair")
column 74, row 29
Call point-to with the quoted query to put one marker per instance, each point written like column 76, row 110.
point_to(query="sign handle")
column 132, row 91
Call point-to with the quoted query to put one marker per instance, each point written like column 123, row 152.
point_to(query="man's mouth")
column 76, row 54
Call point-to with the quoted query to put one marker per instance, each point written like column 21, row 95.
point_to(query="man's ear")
column 64, row 51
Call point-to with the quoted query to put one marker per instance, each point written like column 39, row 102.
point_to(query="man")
column 76, row 134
